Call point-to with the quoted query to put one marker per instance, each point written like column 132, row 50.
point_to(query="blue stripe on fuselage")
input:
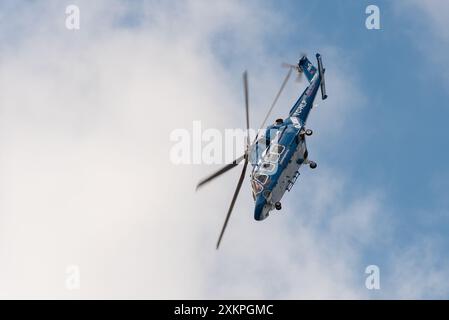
column 304, row 104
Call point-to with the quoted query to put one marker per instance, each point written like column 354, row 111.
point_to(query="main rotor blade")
column 238, row 160
column 245, row 89
column 220, row 172
column 275, row 101
column 234, row 198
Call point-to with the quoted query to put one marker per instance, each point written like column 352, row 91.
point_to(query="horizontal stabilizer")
column 321, row 71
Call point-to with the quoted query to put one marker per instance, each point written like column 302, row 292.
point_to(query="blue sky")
column 397, row 142
column 76, row 147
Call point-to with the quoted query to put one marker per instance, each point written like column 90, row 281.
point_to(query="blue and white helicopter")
column 278, row 153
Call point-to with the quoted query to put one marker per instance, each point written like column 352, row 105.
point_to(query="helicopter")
column 276, row 154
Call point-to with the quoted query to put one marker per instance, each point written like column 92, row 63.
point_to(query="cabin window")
column 262, row 178
column 277, row 148
column 268, row 167
column 272, row 157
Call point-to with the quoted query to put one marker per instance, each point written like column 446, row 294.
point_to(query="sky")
column 87, row 181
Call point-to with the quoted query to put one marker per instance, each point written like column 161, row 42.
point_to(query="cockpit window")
column 257, row 150
column 262, row 178
column 257, row 187
column 262, row 142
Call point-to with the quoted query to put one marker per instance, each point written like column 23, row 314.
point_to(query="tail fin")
column 321, row 72
column 307, row 67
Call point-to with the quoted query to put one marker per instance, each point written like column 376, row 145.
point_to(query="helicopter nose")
column 261, row 209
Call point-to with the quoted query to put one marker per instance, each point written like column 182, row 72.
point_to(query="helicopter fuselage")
column 276, row 168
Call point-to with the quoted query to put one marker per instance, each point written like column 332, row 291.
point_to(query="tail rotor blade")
column 289, row 65
column 234, row 198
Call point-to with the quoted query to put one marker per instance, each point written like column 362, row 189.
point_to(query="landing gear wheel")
column 312, row 165
column 278, row 205
column 309, row 132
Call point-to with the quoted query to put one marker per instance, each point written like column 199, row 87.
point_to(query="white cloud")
column 417, row 273
column 430, row 33
column 436, row 12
